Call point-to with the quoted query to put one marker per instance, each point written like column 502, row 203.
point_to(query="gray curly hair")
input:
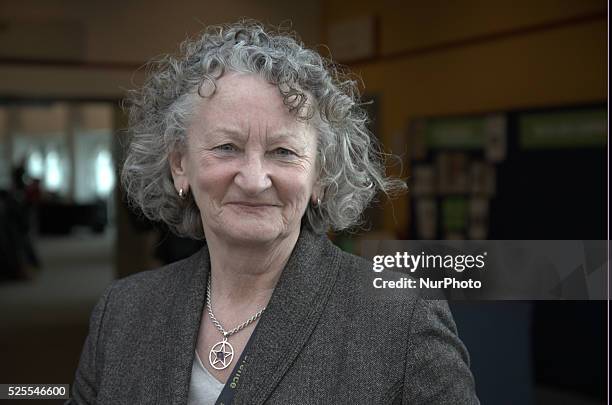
column 351, row 168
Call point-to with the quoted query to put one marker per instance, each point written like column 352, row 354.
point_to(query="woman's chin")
column 246, row 232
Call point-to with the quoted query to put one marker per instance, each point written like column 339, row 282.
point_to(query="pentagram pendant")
column 221, row 355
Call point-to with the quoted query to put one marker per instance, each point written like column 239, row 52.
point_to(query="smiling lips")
column 252, row 204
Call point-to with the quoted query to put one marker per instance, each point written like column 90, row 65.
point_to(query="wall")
column 445, row 57
column 72, row 48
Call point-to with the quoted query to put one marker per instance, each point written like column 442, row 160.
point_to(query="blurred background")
column 496, row 110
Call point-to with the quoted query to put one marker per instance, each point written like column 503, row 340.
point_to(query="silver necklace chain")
column 217, row 324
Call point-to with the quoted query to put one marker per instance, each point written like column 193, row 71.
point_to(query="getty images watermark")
column 489, row 270
column 412, row 263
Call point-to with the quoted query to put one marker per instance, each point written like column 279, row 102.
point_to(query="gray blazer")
column 323, row 339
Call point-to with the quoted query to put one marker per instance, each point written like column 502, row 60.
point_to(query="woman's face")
column 250, row 165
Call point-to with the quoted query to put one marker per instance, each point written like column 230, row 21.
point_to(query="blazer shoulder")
column 436, row 368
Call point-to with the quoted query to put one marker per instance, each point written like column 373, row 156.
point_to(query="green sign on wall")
column 456, row 133
column 569, row 129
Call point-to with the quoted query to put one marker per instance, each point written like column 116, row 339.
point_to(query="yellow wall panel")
column 557, row 64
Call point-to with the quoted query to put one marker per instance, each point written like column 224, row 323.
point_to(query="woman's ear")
column 178, row 168
column 317, row 193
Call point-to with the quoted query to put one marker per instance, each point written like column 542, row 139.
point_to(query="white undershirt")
column 204, row 388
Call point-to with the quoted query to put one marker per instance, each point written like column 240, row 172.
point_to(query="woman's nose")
column 253, row 177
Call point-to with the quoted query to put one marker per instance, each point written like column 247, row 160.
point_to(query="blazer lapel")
column 184, row 324
column 290, row 317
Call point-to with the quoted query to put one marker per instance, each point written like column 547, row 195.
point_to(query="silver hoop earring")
column 181, row 193
column 318, row 202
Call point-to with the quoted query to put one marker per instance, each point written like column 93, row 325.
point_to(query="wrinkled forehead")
column 245, row 104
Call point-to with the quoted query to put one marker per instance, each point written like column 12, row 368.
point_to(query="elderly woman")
column 259, row 146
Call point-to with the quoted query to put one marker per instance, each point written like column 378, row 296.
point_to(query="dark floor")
column 44, row 321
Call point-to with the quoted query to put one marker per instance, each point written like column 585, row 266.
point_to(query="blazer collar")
column 290, row 317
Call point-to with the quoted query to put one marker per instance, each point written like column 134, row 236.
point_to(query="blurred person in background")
column 258, row 146
column 13, row 224
column 18, row 258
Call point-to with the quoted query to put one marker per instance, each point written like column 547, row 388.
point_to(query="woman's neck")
column 244, row 275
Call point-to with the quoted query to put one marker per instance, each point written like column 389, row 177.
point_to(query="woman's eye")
column 283, row 152
column 228, row 147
